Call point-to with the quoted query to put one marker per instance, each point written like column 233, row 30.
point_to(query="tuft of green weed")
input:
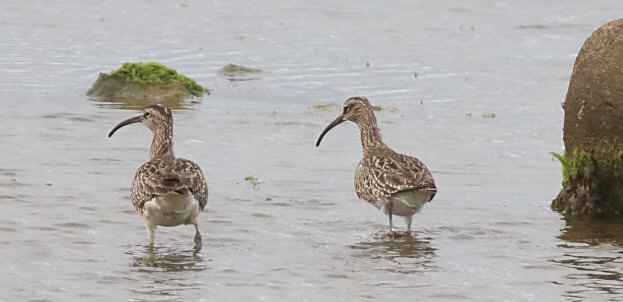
column 156, row 73
column 606, row 159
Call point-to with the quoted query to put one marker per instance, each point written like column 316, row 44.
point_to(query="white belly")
column 171, row 210
column 404, row 203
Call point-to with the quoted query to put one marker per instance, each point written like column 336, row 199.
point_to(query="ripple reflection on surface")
column 593, row 251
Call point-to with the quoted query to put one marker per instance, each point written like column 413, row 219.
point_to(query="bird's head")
column 158, row 118
column 357, row 110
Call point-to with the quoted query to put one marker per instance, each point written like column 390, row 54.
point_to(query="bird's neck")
column 370, row 135
column 162, row 144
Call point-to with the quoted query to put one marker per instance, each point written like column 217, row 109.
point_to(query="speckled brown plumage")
column 395, row 183
column 385, row 172
column 165, row 176
column 166, row 190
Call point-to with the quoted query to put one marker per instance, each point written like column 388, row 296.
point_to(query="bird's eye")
column 146, row 115
column 346, row 108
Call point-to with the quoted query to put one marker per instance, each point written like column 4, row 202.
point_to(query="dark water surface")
column 69, row 233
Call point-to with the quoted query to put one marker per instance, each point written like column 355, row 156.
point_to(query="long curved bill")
column 132, row 120
column 336, row 122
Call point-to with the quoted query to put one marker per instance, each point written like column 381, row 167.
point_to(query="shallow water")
column 69, row 233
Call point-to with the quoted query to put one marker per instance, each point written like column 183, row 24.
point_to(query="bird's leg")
column 392, row 233
column 151, row 232
column 408, row 222
column 198, row 242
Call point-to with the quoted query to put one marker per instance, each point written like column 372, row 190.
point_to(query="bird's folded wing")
column 158, row 177
column 192, row 177
column 381, row 177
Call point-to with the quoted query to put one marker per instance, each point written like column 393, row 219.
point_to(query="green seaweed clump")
column 583, row 162
column 156, row 73
column 571, row 165
column 488, row 115
column 254, row 181
column 591, row 175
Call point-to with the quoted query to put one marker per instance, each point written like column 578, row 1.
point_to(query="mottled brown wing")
column 192, row 177
column 160, row 177
column 379, row 177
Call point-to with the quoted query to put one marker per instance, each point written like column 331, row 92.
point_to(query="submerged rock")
column 334, row 107
column 141, row 84
column 235, row 72
column 593, row 128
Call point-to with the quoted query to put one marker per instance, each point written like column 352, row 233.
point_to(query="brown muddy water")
column 69, row 233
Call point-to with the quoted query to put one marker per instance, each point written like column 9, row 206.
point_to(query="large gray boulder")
column 593, row 127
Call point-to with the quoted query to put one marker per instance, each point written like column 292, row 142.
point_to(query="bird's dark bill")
column 132, row 120
column 336, row 122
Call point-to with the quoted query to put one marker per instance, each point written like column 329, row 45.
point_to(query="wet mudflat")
column 474, row 90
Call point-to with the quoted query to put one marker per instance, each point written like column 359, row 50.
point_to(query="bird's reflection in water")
column 166, row 259
column 165, row 273
column 412, row 252
column 593, row 248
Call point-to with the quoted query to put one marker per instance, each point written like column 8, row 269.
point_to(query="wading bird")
column 395, row 183
column 166, row 191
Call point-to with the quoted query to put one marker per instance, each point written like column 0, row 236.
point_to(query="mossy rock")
column 593, row 127
column 141, row 84
column 592, row 182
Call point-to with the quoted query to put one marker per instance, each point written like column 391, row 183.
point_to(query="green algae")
column 593, row 177
column 488, row 115
column 254, row 181
column 156, row 73
column 571, row 165
column 603, row 159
